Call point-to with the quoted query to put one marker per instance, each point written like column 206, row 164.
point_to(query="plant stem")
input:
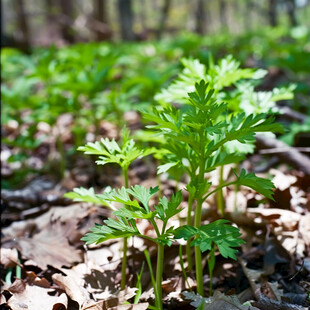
column 198, row 263
column 125, row 243
column 159, row 274
column 219, row 195
column 182, row 268
column 124, row 263
column 125, row 173
column 189, row 222
column 197, row 223
column 219, row 187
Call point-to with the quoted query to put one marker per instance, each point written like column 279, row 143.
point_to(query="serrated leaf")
column 222, row 158
column 121, row 196
column 262, row 186
column 143, row 194
column 131, row 212
column 110, row 151
column 167, row 209
column 86, row 195
column 226, row 237
column 164, row 168
column 112, row 229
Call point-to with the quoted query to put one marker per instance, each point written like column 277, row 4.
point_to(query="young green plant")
column 110, row 151
column 124, row 225
column 195, row 135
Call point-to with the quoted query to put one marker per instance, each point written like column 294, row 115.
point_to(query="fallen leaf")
column 276, row 217
column 32, row 278
column 9, row 257
column 34, row 297
column 72, row 289
column 48, row 247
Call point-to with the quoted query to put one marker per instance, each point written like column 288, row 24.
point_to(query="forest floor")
column 44, row 265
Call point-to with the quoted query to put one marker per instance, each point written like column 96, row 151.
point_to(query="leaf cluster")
column 224, row 236
column 197, row 135
column 136, row 208
column 110, row 151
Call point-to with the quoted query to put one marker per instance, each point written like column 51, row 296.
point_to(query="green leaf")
column 143, row 194
column 167, row 238
column 111, row 152
column 131, row 212
column 221, row 158
column 86, row 195
column 263, row 186
column 166, row 167
column 226, row 237
column 121, row 196
column 167, row 209
column 112, row 229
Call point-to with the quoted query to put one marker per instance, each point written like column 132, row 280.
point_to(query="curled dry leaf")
column 33, row 279
column 9, row 257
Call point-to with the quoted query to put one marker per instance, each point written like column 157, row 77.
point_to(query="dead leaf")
column 72, row 289
column 276, row 217
column 224, row 302
column 32, row 278
column 34, row 297
column 282, row 181
column 9, row 257
column 304, row 229
column 49, row 247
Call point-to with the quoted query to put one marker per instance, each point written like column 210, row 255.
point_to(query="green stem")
column 220, row 196
column 159, row 275
column 8, row 275
column 125, row 173
column 189, row 222
column 219, row 187
column 183, row 269
column 211, row 264
column 124, row 263
column 198, row 260
column 155, row 226
column 18, row 270
column 197, row 223
column 125, row 243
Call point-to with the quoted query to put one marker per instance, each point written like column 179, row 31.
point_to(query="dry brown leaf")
column 2, row 299
column 72, row 289
column 34, row 297
column 282, row 181
column 223, row 302
column 49, row 247
column 32, row 278
column 9, row 257
column 277, row 217
column 69, row 216
column 304, row 229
